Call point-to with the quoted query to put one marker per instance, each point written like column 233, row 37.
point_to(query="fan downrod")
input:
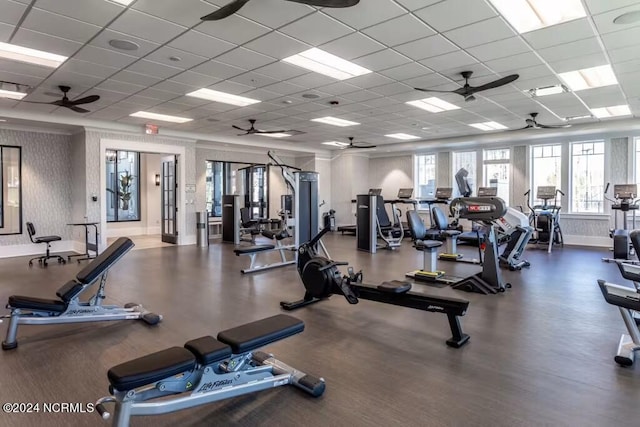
column 533, row 115
column 466, row 75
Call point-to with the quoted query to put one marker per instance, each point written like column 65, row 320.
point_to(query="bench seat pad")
column 257, row 334
column 253, row 249
column 37, row 304
column 208, row 350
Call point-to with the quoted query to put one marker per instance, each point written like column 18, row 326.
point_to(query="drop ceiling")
column 406, row 43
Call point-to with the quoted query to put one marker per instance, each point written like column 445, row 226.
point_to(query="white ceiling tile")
column 262, row 94
column 110, row 113
column 526, row 59
column 231, row 87
column 11, row 11
column 245, row 58
column 599, row 6
column 153, row 69
column 316, row 29
column 104, row 57
column 183, row 12
column 21, row 78
column 570, row 50
column 426, row 47
column 340, row 88
column 368, row 81
column 284, row 88
column 107, row 97
column 87, row 68
column 5, row 32
column 361, row 96
column 195, row 79
column 234, row 29
column 602, row 96
column 628, row 53
column 179, row 89
column 59, row 26
column 498, row 49
column 451, row 14
column 201, row 44
column 579, row 63
column 45, row 42
column 382, row 60
column 67, row 78
column 399, row 30
column 187, row 60
column 392, row 89
column 559, row 34
column 262, row 11
column 528, row 84
column 121, row 87
column 253, row 79
column 136, row 78
column 281, row 70
column 627, row 67
column 449, row 60
column 480, row 33
column 311, row 80
column 145, row 26
column 218, row 70
column 97, row 12
column 277, row 45
column 352, row 46
column 478, row 70
column 427, row 81
column 366, row 13
column 604, row 21
column 102, row 40
column 35, row 108
column 406, row 71
column 619, row 39
column 23, row 68
column 158, row 94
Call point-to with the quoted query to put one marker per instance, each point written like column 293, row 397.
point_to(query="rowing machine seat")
column 37, row 304
column 208, row 350
column 257, row 334
column 395, row 287
column 253, row 249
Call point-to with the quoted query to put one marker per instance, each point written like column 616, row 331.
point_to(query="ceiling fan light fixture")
column 160, row 117
column 12, row 90
column 335, row 121
column 222, row 97
column 547, row 90
column 325, row 63
column 589, row 78
column 614, row 111
column 336, row 144
column 488, row 126
column 530, row 15
column 30, row 56
column 402, row 136
column 433, row 105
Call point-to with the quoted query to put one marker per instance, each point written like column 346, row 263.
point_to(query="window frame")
column 116, row 184
column 532, row 188
column 476, row 176
column 416, row 176
column 571, row 192
column 507, row 161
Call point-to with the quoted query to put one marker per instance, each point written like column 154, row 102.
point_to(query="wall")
column 349, row 177
column 47, row 181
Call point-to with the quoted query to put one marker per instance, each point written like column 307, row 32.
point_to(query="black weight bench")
column 68, row 308
column 210, row 369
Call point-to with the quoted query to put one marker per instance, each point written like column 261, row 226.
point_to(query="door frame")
column 144, row 147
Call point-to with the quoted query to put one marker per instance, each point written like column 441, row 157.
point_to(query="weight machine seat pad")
column 37, row 304
column 151, row 368
column 69, row 290
column 257, row 334
column 208, row 350
column 104, row 261
column 47, row 239
column 276, row 234
column 427, row 244
column 451, row 233
column 395, row 287
column 253, row 249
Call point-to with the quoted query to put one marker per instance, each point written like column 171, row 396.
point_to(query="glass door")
column 169, row 199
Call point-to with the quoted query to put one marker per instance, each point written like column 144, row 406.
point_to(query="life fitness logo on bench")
column 214, row 385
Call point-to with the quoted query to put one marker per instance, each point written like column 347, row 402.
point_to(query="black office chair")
column 42, row 260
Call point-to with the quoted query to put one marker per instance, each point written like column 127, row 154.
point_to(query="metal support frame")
column 283, row 259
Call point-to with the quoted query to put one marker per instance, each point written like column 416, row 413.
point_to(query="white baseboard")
column 154, row 230
column 189, row 240
column 597, row 241
column 40, row 249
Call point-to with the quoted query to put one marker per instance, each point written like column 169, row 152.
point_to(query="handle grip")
column 102, row 411
column 560, row 191
column 607, row 187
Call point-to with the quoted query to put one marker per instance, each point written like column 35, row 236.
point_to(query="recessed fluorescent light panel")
column 225, row 98
column 336, row 144
column 402, row 136
column 547, row 90
column 12, row 90
column 325, row 63
column 589, row 78
column 488, row 126
column 123, row 2
column 433, row 105
column 276, row 135
column 617, row 110
column 161, row 117
column 335, row 121
column 30, row 56
column 586, row 116
column 529, row 15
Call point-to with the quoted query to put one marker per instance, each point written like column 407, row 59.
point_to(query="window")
column 496, row 171
column 587, row 177
column 425, row 180
column 464, row 160
column 220, row 180
column 637, row 164
column 546, row 166
column 123, row 190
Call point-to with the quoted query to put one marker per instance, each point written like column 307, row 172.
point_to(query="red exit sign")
column 151, row 129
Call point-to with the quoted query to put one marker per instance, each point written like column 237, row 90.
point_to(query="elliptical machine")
column 624, row 200
column 545, row 218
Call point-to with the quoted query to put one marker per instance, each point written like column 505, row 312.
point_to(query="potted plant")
column 126, row 180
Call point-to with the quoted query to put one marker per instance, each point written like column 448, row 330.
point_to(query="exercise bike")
column 624, row 200
column 545, row 218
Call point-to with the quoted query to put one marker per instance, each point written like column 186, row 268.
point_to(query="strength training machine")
column 321, row 279
column 372, row 222
column 68, row 308
column 205, row 370
column 624, row 200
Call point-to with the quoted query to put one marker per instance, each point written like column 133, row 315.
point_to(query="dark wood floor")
column 540, row 354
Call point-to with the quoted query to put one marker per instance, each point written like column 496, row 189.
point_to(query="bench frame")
column 283, row 258
column 77, row 311
column 624, row 298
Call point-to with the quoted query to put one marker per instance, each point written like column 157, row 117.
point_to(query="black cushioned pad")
column 104, row 261
column 261, row 332
column 151, row 368
column 47, row 239
column 208, row 350
column 275, row 234
column 395, row 287
column 427, row 244
column 451, row 232
column 69, row 290
column 38, row 304
column 253, row 249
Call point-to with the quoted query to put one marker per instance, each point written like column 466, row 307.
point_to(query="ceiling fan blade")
column 361, row 145
column 433, row 90
column 526, row 127
column 328, row 3
column 86, row 100
column 243, row 134
column 271, row 131
column 494, row 84
column 567, row 125
column 76, row 109
column 38, row 102
column 224, row 11
column 239, row 128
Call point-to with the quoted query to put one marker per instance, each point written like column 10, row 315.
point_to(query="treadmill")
column 351, row 229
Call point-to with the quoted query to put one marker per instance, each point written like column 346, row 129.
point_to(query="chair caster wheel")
column 45, row 264
column 30, row 263
column 151, row 318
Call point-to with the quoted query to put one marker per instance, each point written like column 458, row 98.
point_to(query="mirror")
column 10, row 190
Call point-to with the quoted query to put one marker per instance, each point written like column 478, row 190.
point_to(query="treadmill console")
column 375, row 191
column 444, row 193
column 625, row 191
column 487, row 192
column 546, row 192
column 405, row 193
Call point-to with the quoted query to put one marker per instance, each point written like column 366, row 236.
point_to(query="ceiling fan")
column 67, row 103
column 236, row 5
column 467, row 90
column 357, row 144
column 253, row 131
column 532, row 124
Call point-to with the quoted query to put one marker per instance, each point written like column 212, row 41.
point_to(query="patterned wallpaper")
column 46, row 183
column 443, row 169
